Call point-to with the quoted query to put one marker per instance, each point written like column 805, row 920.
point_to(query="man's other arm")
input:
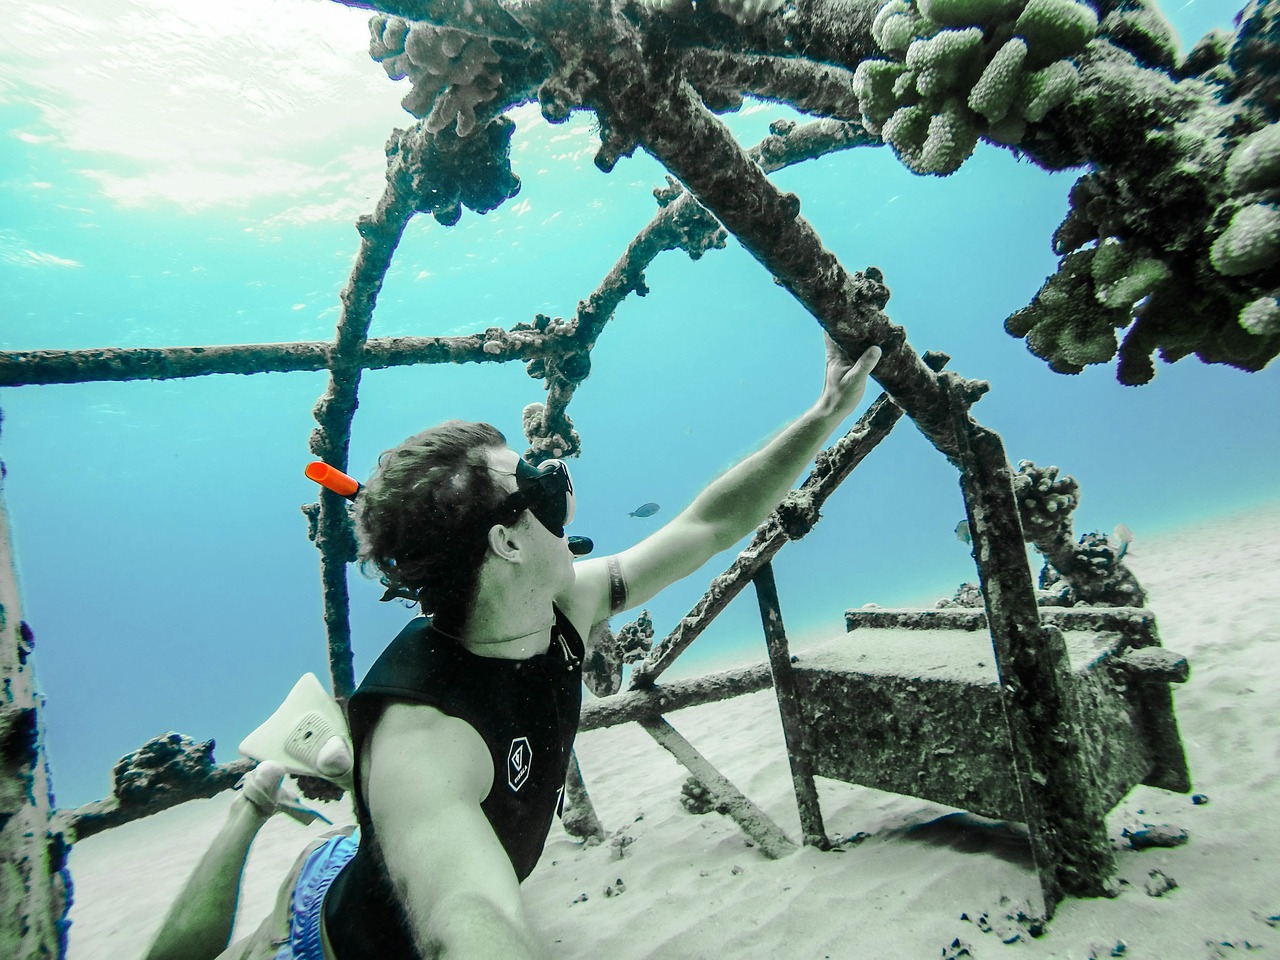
column 426, row 777
column 731, row 506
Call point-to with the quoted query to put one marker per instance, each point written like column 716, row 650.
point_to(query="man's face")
column 545, row 547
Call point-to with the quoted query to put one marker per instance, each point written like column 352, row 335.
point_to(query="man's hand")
column 845, row 382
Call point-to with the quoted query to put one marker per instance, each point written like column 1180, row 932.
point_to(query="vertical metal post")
column 34, row 892
column 579, row 817
column 1068, row 831
column 784, row 685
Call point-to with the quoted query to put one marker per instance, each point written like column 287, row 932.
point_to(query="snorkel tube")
column 331, row 478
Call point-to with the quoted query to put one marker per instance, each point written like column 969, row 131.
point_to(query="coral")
column 1045, row 502
column 1262, row 316
column 608, row 652
column 1094, row 573
column 1188, row 248
column 1048, row 88
column 1122, row 277
column 452, row 72
column 966, row 595
column 1055, row 29
column 1066, row 323
column 897, row 24
column 960, row 13
column 1250, row 242
column 1255, row 162
column 1143, row 30
column 549, row 440
column 160, row 764
column 742, row 12
column 697, row 799
column 448, row 172
column 1254, row 59
column 968, row 69
column 1000, row 83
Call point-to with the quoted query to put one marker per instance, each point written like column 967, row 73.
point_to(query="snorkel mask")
column 546, row 491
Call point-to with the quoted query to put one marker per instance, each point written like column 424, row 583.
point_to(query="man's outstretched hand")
column 845, row 381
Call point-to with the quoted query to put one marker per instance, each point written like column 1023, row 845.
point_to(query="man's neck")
column 508, row 630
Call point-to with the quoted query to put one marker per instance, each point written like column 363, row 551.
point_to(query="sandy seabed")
column 927, row 882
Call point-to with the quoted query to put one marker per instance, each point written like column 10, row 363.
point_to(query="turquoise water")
column 165, row 568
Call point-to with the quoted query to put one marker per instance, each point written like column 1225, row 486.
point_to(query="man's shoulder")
column 417, row 739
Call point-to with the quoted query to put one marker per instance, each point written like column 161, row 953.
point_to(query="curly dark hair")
column 421, row 518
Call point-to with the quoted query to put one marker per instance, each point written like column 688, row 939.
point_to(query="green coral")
column 964, row 13
column 950, row 141
column 1255, row 163
column 1250, row 243
column 1000, row 83
column 1121, row 277
column 1262, row 316
column 950, row 58
column 1065, row 323
column 961, row 65
column 897, row 24
column 1143, row 30
column 874, row 83
column 906, row 131
column 1048, row 88
column 1055, row 29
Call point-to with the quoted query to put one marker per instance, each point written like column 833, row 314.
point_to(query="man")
column 462, row 729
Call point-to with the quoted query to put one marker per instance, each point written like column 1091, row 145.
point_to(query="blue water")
column 164, row 564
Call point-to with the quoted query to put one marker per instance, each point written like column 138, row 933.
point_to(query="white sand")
column 695, row 889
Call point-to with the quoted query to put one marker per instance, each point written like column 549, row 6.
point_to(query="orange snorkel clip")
column 333, row 479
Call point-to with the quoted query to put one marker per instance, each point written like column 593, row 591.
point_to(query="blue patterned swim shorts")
column 318, row 873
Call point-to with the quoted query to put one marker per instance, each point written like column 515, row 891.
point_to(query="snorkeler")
column 462, row 730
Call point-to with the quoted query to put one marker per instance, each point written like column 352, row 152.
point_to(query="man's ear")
column 502, row 543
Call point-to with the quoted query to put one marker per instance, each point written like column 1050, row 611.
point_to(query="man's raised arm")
column 729, row 508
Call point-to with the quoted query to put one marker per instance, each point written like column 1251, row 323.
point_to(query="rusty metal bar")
column 579, row 817
column 1137, row 624
column 793, row 725
column 668, row 119
column 331, row 441
column 42, row 367
column 91, row 818
column 1068, row 831
column 655, row 701
column 755, row 823
column 34, row 883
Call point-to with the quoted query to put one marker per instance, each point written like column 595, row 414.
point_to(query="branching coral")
column 452, row 71
column 547, row 439
column 1091, row 571
column 1179, row 225
column 608, row 652
column 447, row 172
column 966, row 69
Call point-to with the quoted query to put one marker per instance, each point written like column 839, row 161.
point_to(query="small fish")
column 645, row 510
column 962, row 532
column 1125, row 536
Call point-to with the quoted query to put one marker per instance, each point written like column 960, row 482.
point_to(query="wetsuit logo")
column 519, row 761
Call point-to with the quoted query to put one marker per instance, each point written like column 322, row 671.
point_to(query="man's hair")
column 421, row 519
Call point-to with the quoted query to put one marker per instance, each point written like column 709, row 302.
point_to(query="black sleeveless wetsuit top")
column 527, row 713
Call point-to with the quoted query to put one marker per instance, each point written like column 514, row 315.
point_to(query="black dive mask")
column 546, row 492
